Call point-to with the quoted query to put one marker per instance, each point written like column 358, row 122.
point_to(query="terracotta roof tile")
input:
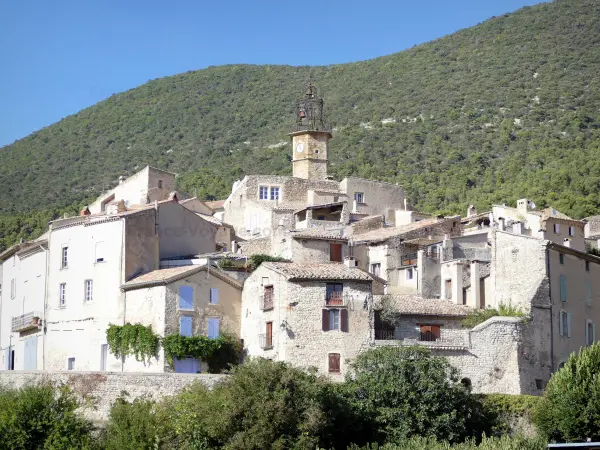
column 172, row 274
column 319, row 233
column 407, row 304
column 382, row 234
column 332, row 271
column 216, row 204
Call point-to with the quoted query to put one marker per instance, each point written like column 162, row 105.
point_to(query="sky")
column 60, row 56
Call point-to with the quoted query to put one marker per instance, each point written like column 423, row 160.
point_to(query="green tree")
column 570, row 410
column 409, row 392
column 42, row 417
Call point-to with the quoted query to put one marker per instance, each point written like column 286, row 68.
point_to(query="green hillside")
column 505, row 109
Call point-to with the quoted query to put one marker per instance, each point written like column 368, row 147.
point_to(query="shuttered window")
column 335, row 252
column 335, row 319
column 213, row 328
column 185, row 326
column 334, row 363
column 214, row 296
column 563, row 288
column 186, row 297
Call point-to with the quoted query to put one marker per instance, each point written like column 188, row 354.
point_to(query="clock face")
column 300, row 147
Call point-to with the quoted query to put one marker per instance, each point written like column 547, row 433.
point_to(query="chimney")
column 121, row 179
column 349, row 261
column 85, row 211
column 501, row 223
column 234, row 247
column 567, row 243
column 517, row 228
column 173, row 197
column 471, row 211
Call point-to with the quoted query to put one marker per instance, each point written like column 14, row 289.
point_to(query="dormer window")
column 269, row 193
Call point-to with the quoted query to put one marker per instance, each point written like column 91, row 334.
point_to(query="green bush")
column 481, row 315
column 408, row 392
column 421, row 443
column 220, row 353
column 505, row 411
column 256, row 260
column 570, row 409
column 42, row 417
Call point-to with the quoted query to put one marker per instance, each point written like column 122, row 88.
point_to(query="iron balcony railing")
column 385, row 335
column 26, row 321
column 266, row 341
column 335, row 299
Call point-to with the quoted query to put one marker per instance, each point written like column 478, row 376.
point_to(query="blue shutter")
column 213, row 328
column 214, row 296
column 563, row 288
column 185, row 326
column 186, row 297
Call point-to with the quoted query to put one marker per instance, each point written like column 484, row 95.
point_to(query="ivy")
column 128, row 339
column 219, row 353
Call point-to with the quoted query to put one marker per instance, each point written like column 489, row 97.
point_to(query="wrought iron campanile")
column 309, row 112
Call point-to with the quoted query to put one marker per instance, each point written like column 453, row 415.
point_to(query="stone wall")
column 103, row 388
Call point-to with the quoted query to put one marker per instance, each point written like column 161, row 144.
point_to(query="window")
column 62, row 294
column 448, row 292
column 587, row 266
column 334, row 362
column 557, row 228
column 185, row 326
column 64, row 262
column 263, row 192
column 269, row 335
column 103, row 357
column 376, row 269
column 268, row 298
column 335, row 252
column 464, row 298
column 359, row 197
column 274, row 193
column 13, row 288
column 213, row 328
column 539, row 384
column 564, row 325
column 186, row 298
column 429, row 333
column 590, row 333
column 160, row 184
column 99, row 252
column 214, row 296
column 409, row 273
column 320, row 217
column 71, row 364
column 334, row 294
column 563, row 288
column 588, row 293
column 335, row 319
column 571, row 231
column 561, row 258
column 88, row 290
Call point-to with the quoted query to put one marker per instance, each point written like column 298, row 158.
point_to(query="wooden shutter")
column 269, row 334
column 335, row 252
column 344, row 320
column 435, row 331
column 325, row 324
column 334, row 362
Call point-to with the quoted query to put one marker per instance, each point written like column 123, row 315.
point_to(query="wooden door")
column 335, row 252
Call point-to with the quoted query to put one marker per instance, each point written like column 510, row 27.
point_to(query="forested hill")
column 506, row 109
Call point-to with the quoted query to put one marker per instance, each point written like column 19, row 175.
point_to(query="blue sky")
column 60, row 56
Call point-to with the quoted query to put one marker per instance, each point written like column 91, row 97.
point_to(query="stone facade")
column 101, row 389
column 309, row 159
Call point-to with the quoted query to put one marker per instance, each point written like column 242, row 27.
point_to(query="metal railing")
column 265, row 341
column 409, row 259
column 26, row 321
column 385, row 335
column 334, row 299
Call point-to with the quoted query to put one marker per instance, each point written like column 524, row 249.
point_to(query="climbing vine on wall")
column 219, row 353
column 128, row 339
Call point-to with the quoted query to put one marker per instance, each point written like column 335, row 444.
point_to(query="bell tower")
column 310, row 140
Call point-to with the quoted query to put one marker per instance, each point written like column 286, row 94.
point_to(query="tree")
column 570, row 410
column 409, row 392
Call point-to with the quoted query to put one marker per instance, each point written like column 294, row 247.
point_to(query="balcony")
column 448, row 340
column 26, row 322
column 409, row 259
column 265, row 341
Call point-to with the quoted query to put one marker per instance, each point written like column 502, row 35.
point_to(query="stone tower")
column 310, row 141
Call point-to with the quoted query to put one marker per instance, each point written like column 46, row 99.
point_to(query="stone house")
column 314, row 245
column 187, row 300
column 22, row 293
column 146, row 186
column 90, row 257
column 310, row 315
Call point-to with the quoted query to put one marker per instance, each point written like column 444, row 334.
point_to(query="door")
column 103, row 357
column 482, row 293
column 30, row 356
column 335, row 252
column 187, row 365
column 269, row 337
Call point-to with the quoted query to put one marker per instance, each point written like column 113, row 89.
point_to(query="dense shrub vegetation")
column 478, row 316
column 570, row 410
column 489, row 114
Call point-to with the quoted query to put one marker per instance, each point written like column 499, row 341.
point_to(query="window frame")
column 211, row 297
column 180, row 298
column 556, row 228
column 359, row 198
column 88, row 290
column 260, row 192
column 272, row 191
column 564, row 319
column 409, row 270
column 589, row 342
column 561, row 258
column 62, row 295
column 64, row 257
column 376, row 269
column 69, row 366
column 571, row 230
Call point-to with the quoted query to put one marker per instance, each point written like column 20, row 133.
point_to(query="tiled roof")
column 319, row 233
column 332, row 271
column 167, row 276
column 216, row 204
column 324, row 205
column 211, row 219
column 382, row 234
column 415, row 305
